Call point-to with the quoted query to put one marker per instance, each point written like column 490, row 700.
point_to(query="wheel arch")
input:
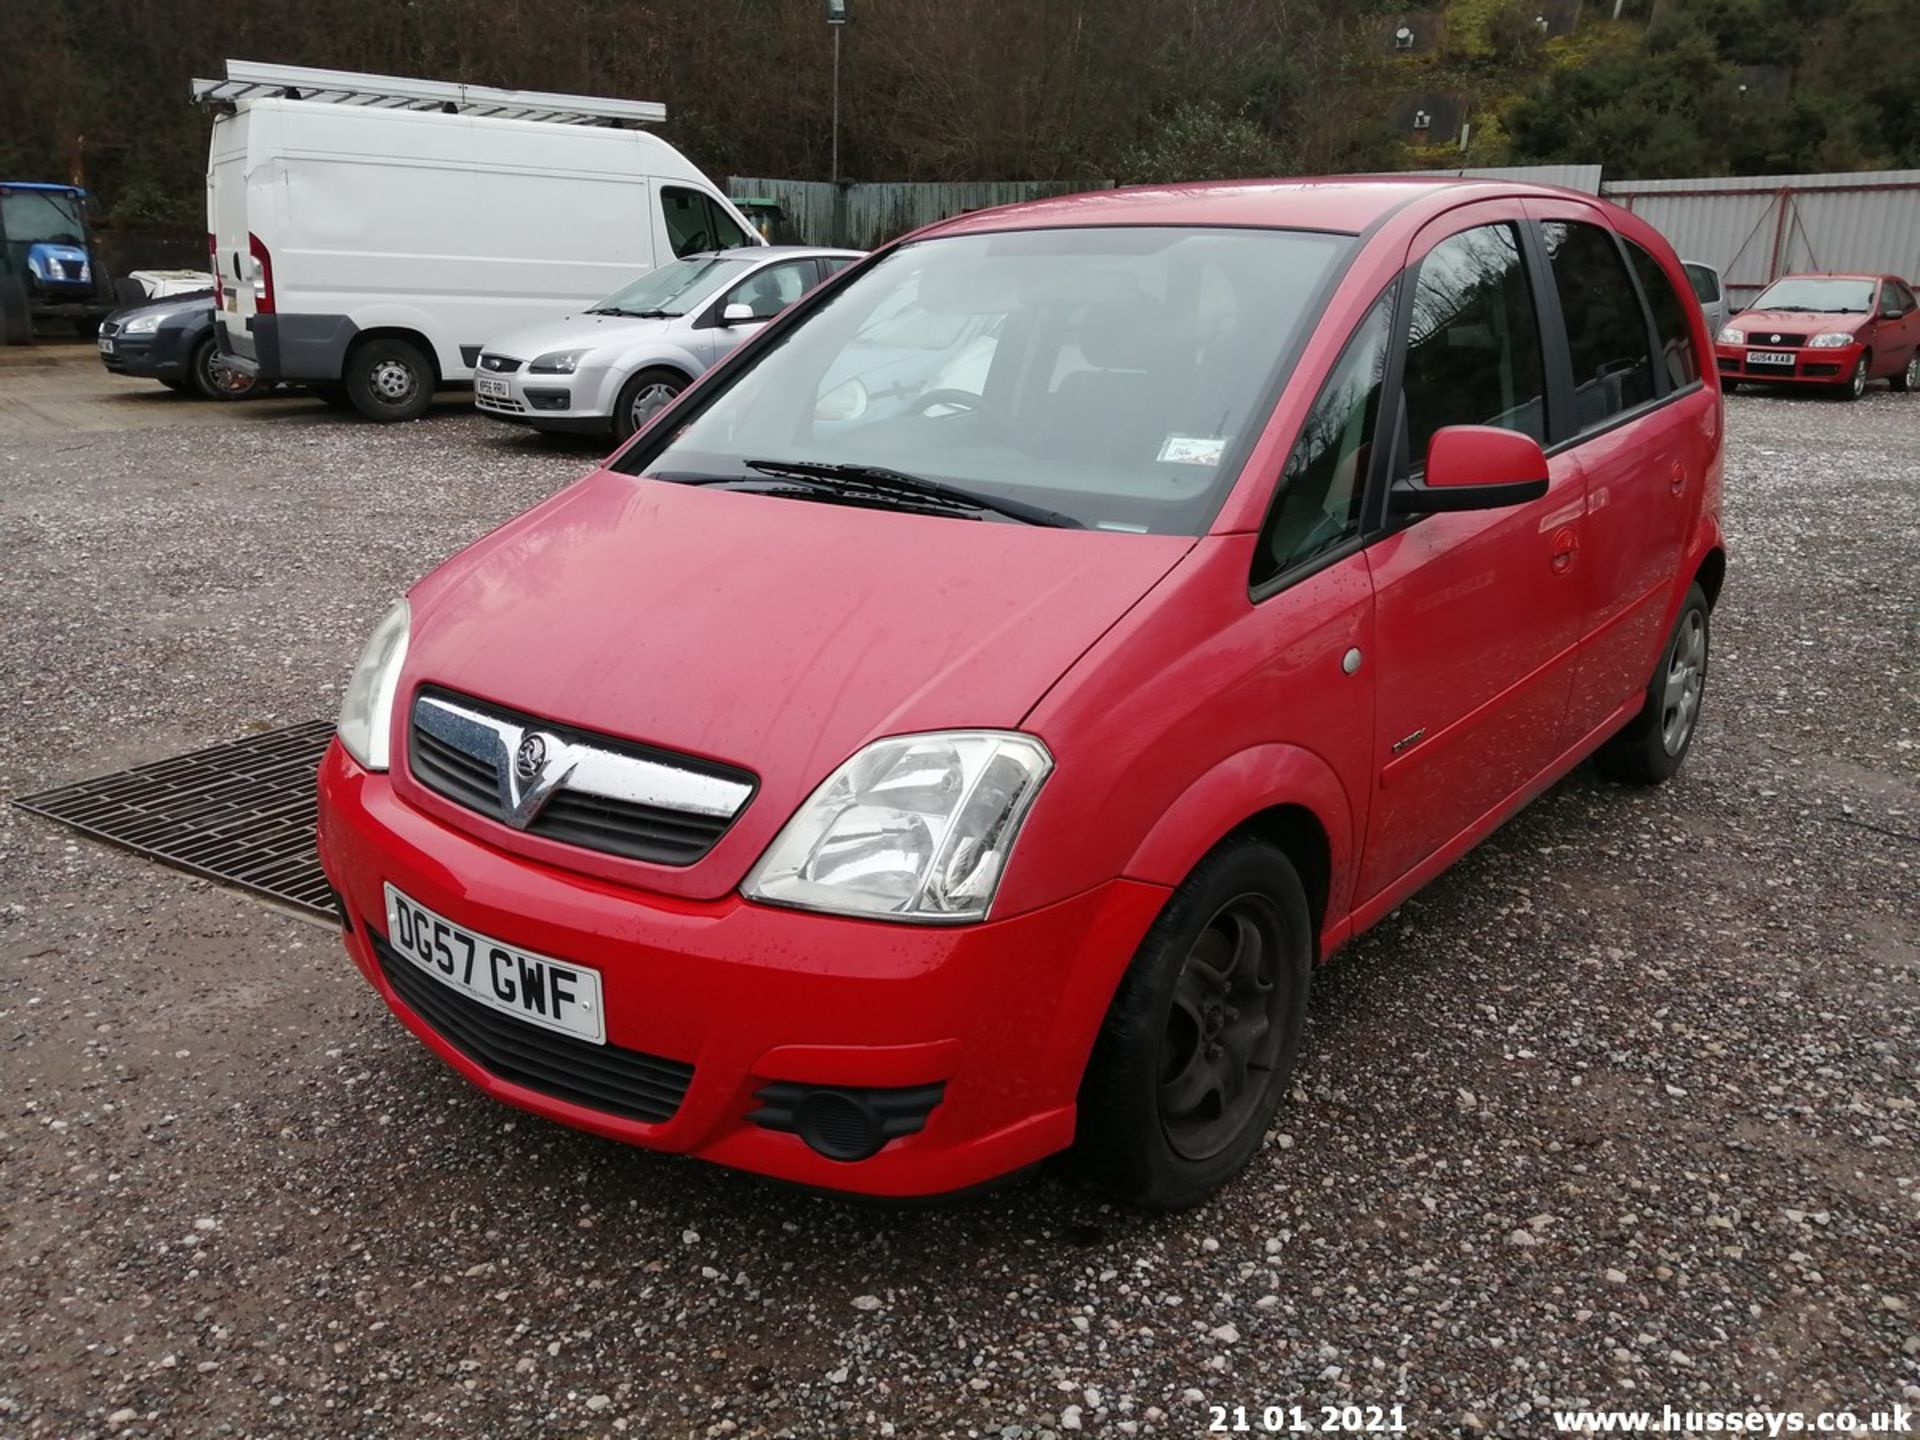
column 1711, row 574
column 415, row 338
column 1287, row 795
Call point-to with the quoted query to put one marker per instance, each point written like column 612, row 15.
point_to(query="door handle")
column 1565, row 543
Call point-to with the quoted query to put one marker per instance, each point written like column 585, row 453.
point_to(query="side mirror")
column 738, row 313
column 1474, row 467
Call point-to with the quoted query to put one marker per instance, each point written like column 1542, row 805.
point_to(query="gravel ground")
column 1621, row 1111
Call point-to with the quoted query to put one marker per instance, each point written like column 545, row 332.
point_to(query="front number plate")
column 535, row 988
column 106, row 345
column 490, row 388
column 1769, row 357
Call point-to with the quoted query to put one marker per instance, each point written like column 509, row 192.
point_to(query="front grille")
column 499, row 364
column 627, row 1083
column 1791, row 342
column 632, row 829
column 109, row 327
column 494, row 402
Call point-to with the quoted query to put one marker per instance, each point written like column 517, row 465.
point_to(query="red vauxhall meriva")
column 951, row 733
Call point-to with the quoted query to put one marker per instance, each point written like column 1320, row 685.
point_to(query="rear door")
column 1637, row 441
column 1478, row 614
column 227, row 229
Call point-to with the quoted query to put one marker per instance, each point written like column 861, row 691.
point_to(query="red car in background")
column 886, row 793
column 1835, row 331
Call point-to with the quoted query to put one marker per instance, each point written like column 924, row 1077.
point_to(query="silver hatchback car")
column 608, row 369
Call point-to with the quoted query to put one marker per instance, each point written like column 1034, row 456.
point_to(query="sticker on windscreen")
column 1192, row 450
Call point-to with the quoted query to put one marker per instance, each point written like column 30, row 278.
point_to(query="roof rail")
column 249, row 81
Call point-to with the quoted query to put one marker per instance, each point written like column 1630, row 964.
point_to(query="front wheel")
column 390, row 379
column 1655, row 742
column 1909, row 378
column 1200, row 1042
column 213, row 382
column 642, row 398
column 1855, row 385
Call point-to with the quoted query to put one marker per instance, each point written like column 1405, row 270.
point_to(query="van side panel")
column 453, row 227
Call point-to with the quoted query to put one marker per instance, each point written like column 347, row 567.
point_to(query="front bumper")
column 161, row 354
column 1831, row 366
column 573, row 404
column 1002, row 1014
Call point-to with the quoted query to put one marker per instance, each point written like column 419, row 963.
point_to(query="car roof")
column 767, row 252
column 1829, row 275
column 41, row 185
column 1345, row 204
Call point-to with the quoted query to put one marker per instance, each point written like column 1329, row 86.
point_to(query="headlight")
column 141, row 325
column 913, row 828
column 366, row 712
column 846, row 401
column 1731, row 336
column 560, row 362
column 1832, row 340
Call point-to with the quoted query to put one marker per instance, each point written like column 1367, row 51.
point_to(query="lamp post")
column 836, row 21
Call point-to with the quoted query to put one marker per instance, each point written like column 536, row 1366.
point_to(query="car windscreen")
column 1109, row 374
column 672, row 289
column 33, row 216
column 1817, row 294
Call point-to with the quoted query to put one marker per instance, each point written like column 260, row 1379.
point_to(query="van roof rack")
column 247, row 80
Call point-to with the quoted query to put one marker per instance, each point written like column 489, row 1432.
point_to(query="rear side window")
column 1318, row 504
column 1669, row 319
column 695, row 223
column 1473, row 346
column 1706, row 284
column 1606, row 328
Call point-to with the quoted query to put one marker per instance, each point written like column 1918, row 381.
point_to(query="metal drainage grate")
column 242, row 813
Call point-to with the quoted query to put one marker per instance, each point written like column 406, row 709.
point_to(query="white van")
column 369, row 233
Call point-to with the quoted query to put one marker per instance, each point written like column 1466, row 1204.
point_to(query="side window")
column 771, row 290
column 1473, row 347
column 1902, row 298
column 831, row 265
column 689, row 221
column 1606, row 328
column 726, row 230
column 1318, row 504
column 1706, row 284
column 1669, row 319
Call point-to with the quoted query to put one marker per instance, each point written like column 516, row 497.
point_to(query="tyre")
column 643, row 397
column 1655, row 742
column 1908, row 379
column 211, row 382
column 390, row 379
column 1200, row 1042
column 1855, row 385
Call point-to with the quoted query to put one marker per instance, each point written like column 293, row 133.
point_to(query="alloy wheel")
column 1913, row 372
column 1686, row 678
column 649, row 401
column 1224, row 1029
column 1859, row 382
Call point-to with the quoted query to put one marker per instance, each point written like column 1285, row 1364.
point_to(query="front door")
column 1477, row 614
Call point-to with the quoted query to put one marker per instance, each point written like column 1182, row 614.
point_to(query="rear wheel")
column 1855, row 385
column 390, row 379
column 1200, row 1042
column 642, row 398
column 1654, row 743
column 1909, row 378
column 212, row 382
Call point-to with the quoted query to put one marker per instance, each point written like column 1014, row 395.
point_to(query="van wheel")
column 1655, row 742
column 390, row 379
column 642, row 398
column 1909, row 378
column 211, row 382
column 1200, row 1042
column 1855, row 385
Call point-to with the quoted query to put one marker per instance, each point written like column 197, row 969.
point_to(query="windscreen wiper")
column 881, row 480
